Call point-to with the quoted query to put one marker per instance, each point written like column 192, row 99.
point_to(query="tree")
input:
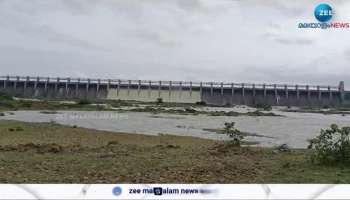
column 233, row 133
column 331, row 146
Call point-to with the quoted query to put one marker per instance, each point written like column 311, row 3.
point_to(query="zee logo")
column 117, row 191
column 323, row 12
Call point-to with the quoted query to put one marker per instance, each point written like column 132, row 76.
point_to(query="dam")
column 211, row 93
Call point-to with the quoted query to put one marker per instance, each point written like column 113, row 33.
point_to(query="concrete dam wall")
column 174, row 91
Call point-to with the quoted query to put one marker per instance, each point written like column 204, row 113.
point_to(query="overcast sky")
column 209, row 40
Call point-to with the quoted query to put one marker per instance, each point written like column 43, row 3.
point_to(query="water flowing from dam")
column 293, row 129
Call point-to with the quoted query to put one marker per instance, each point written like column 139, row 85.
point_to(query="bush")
column 190, row 110
column 332, row 146
column 25, row 104
column 4, row 96
column 159, row 100
column 201, row 103
column 16, row 129
column 263, row 106
column 19, row 128
column 7, row 104
column 233, row 133
column 84, row 102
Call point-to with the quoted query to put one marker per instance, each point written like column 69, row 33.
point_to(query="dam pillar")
column 67, row 88
column 254, row 90
column 330, row 93
column 159, row 88
column 190, row 88
column 222, row 88
column 36, row 83
column 118, row 87
column 98, row 87
column 129, row 83
column 149, row 88
column 77, row 88
column 56, row 85
column 138, row 88
column 222, row 92
column 319, row 94
column 232, row 92
column 276, row 94
column 297, row 90
column 87, row 88
column 26, row 82
column 232, row 89
column 211, row 89
column 6, row 81
column 108, row 84
column 200, row 88
column 180, row 89
column 308, row 92
column 286, row 91
column 243, row 90
column 170, row 83
column 243, row 93
column 264, row 88
column 15, row 83
column 342, row 91
column 46, row 85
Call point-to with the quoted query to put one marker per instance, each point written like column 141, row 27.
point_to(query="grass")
column 51, row 153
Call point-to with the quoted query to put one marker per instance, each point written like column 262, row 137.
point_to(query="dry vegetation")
column 51, row 153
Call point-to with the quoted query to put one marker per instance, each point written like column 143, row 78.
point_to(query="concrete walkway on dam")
column 213, row 93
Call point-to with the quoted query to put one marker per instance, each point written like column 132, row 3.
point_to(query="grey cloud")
column 298, row 41
column 54, row 36
column 189, row 5
column 154, row 37
column 347, row 54
column 78, row 6
column 49, row 33
column 280, row 38
column 239, row 41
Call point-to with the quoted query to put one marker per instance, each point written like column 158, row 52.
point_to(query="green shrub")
column 263, row 106
column 233, row 133
column 332, row 146
column 84, row 102
column 25, row 104
column 190, row 110
column 201, row 103
column 19, row 128
column 159, row 100
column 4, row 96
column 7, row 104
